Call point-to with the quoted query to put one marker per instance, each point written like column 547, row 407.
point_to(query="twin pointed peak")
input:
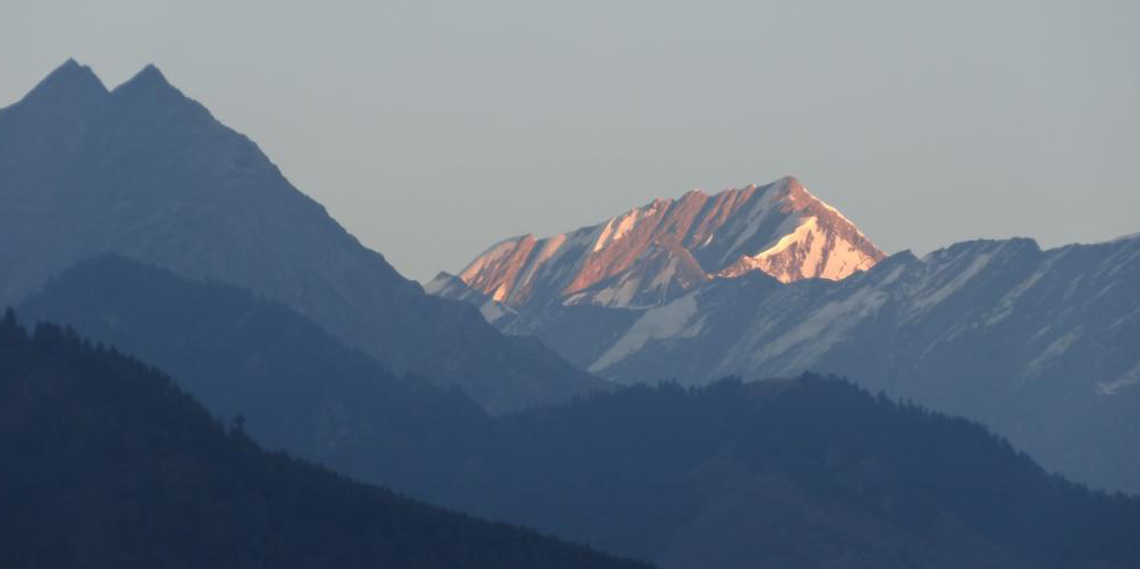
column 72, row 83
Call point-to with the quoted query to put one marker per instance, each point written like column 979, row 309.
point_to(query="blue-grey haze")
column 430, row 129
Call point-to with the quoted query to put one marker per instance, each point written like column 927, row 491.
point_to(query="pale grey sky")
column 431, row 129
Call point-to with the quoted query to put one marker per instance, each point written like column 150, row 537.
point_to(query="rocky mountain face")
column 148, row 173
column 653, row 254
column 1041, row 346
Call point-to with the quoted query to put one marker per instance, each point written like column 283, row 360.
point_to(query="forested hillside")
column 105, row 463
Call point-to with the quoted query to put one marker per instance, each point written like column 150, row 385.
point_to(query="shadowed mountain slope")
column 298, row 388
column 107, row 464
column 146, row 172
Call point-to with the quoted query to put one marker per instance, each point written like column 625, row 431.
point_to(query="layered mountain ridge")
column 1039, row 345
column 108, row 464
column 771, row 282
column 796, row 473
column 652, row 254
column 810, row 472
column 146, row 172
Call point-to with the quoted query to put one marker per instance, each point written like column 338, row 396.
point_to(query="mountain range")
column 810, row 472
column 135, row 218
column 1041, row 346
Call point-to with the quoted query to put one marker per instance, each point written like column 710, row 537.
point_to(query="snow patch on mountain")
column 1006, row 304
column 1055, row 350
column 808, row 251
column 619, row 296
column 500, row 293
column 945, row 288
column 601, row 242
column 839, row 214
column 663, row 278
column 802, row 233
column 658, row 323
column 625, row 224
column 492, row 311
column 1128, row 379
column 823, row 329
column 549, row 249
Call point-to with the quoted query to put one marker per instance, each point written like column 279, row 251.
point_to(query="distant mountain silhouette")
column 107, row 464
column 146, row 172
column 809, row 473
column 804, row 473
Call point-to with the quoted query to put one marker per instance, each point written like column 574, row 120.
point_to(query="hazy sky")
column 431, row 129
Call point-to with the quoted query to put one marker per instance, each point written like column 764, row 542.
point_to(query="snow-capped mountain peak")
column 650, row 254
column 815, row 241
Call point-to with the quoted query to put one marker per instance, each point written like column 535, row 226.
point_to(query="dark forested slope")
column 299, row 388
column 812, row 472
column 105, row 463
